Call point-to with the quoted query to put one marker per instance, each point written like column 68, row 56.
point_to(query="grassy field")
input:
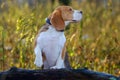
column 92, row 43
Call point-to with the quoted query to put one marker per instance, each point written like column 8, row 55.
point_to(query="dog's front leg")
column 60, row 61
column 38, row 59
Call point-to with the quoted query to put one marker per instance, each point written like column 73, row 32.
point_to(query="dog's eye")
column 70, row 9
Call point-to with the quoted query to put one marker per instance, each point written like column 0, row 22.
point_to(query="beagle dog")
column 50, row 48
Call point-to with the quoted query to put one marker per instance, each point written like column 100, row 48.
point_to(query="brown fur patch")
column 43, row 56
column 57, row 20
column 44, row 28
column 59, row 15
column 64, row 51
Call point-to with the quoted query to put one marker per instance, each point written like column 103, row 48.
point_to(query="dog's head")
column 64, row 14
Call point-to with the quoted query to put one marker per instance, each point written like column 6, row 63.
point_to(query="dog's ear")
column 57, row 20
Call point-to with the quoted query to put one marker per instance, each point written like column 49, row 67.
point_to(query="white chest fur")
column 51, row 42
column 51, row 36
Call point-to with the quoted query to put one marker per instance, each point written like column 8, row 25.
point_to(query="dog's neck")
column 48, row 22
column 52, row 29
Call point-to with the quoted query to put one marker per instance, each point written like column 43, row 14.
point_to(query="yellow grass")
column 92, row 43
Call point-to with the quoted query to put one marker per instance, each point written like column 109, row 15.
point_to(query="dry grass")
column 92, row 43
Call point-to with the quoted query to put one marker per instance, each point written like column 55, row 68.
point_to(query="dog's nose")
column 81, row 12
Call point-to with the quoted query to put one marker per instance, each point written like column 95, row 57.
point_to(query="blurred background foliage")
column 92, row 43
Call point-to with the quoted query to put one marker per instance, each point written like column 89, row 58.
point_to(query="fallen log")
column 55, row 74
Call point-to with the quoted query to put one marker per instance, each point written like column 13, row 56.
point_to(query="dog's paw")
column 55, row 67
column 38, row 62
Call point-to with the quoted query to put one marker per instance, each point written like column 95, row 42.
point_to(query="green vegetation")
column 92, row 43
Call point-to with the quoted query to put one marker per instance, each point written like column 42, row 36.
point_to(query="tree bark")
column 55, row 74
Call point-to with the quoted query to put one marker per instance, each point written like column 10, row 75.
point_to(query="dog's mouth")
column 75, row 21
